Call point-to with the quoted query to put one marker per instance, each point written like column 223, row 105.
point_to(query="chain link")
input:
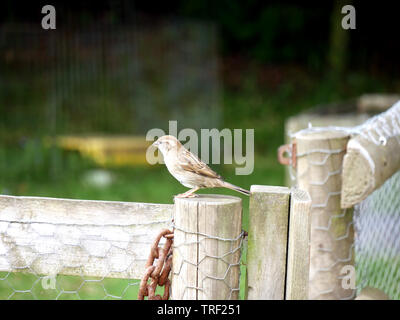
column 159, row 272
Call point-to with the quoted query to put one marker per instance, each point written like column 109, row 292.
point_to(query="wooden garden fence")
column 106, row 239
column 300, row 240
column 340, row 167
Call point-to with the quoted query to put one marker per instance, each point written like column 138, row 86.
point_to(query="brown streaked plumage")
column 188, row 169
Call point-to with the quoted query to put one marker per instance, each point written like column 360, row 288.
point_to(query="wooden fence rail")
column 48, row 236
column 78, row 237
column 372, row 157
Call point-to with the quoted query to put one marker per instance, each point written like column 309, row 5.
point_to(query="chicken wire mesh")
column 319, row 167
column 114, row 79
column 377, row 242
column 217, row 265
column 70, row 258
column 367, row 239
column 208, row 241
column 108, row 78
column 69, row 249
column 377, row 218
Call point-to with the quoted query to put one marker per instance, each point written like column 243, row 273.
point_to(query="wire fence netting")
column 108, row 79
column 72, row 249
column 78, row 249
column 377, row 241
column 366, row 236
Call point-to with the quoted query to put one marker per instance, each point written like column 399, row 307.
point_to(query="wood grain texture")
column 332, row 233
column 367, row 165
column 298, row 257
column 267, row 242
column 302, row 121
column 78, row 237
column 207, row 243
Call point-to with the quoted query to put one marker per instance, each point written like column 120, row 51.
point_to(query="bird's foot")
column 186, row 195
column 192, row 195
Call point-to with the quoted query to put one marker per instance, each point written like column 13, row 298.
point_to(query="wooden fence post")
column 302, row 121
column 298, row 257
column 319, row 168
column 207, row 244
column 267, row 242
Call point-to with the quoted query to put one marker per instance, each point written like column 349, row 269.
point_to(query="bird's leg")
column 191, row 193
column 188, row 194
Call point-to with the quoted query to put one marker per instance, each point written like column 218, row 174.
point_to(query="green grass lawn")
column 25, row 286
column 380, row 273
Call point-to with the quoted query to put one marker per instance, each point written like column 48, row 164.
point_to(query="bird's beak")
column 155, row 144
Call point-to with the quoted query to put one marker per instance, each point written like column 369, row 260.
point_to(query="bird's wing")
column 192, row 163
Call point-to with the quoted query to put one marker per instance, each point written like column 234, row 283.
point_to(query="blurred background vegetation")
column 124, row 67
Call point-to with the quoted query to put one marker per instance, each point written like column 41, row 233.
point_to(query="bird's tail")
column 236, row 188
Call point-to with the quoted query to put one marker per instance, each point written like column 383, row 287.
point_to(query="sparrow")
column 188, row 169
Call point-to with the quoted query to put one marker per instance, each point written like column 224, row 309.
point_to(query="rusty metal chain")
column 158, row 273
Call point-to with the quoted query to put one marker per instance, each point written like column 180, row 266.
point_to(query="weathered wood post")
column 207, row 244
column 298, row 256
column 372, row 157
column 267, row 242
column 319, row 167
column 278, row 243
column 303, row 121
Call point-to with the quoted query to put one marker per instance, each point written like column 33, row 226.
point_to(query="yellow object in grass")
column 108, row 150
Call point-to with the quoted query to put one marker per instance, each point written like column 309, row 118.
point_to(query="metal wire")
column 94, row 73
column 231, row 259
column 376, row 220
column 106, row 248
column 109, row 251
column 377, row 245
column 326, row 259
column 380, row 128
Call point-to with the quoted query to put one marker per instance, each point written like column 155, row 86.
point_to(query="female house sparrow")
column 188, row 169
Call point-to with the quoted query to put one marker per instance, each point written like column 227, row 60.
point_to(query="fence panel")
column 83, row 238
